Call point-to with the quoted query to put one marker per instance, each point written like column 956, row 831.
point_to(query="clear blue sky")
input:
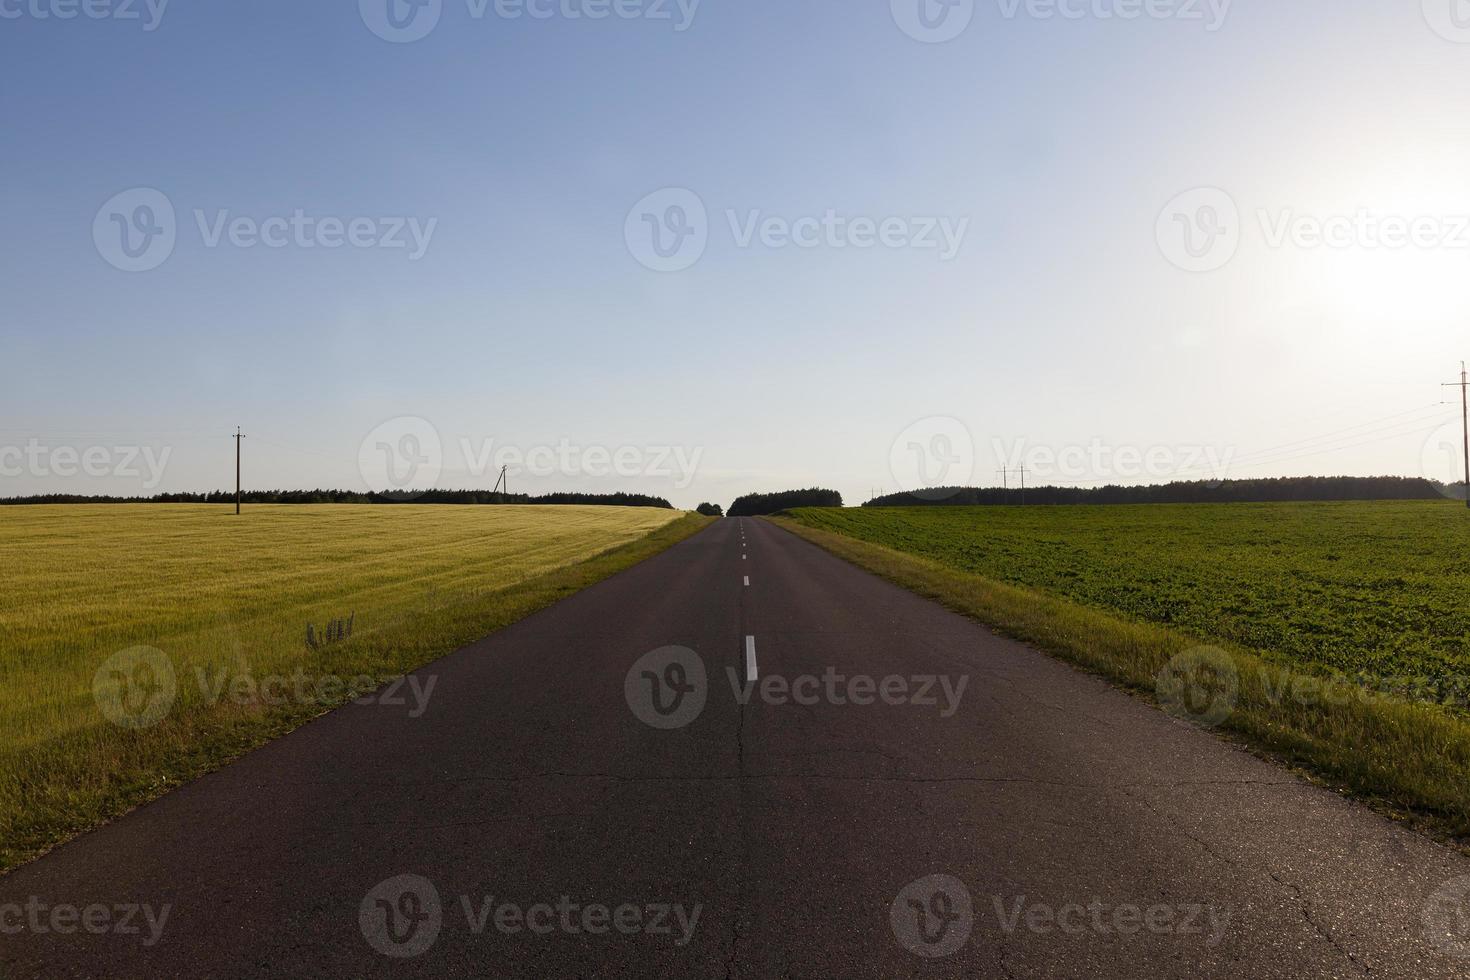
column 1060, row 322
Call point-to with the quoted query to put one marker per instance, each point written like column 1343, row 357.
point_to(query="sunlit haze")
column 1225, row 239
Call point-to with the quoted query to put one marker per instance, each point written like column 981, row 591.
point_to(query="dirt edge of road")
column 1404, row 759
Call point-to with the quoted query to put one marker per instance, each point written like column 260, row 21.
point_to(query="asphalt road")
column 991, row 813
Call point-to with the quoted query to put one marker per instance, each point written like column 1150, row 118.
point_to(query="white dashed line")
column 747, row 581
column 750, row 672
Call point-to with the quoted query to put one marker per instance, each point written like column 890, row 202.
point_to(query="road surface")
column 571, row 800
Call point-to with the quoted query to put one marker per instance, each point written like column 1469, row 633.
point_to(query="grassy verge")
column 53, row 788
column 1408, row 759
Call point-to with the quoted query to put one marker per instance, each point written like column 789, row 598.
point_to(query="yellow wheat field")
column 216, row 591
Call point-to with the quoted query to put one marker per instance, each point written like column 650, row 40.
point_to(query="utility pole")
column 505, row 479
column 1005, row 483
column 1464, row 386
column 1023, row 484
column 237, row 437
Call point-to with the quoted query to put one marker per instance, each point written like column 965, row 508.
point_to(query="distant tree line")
column 355, row 497
column 753, row 504
column 710, row 510
column 1291, row 488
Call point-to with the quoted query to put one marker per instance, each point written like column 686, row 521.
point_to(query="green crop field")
column 1377, row 588
column 221, row 596
column 1334, row 636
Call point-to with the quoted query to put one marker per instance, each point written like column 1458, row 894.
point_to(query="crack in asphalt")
column 1304, row 905
column 1323, row 931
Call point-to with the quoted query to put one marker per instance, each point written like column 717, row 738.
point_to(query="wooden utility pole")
column 1465, row 421
column 1464, row 386
column 503, row 480
column 237, row 437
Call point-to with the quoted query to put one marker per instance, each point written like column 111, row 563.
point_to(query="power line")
column 1371, row 425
